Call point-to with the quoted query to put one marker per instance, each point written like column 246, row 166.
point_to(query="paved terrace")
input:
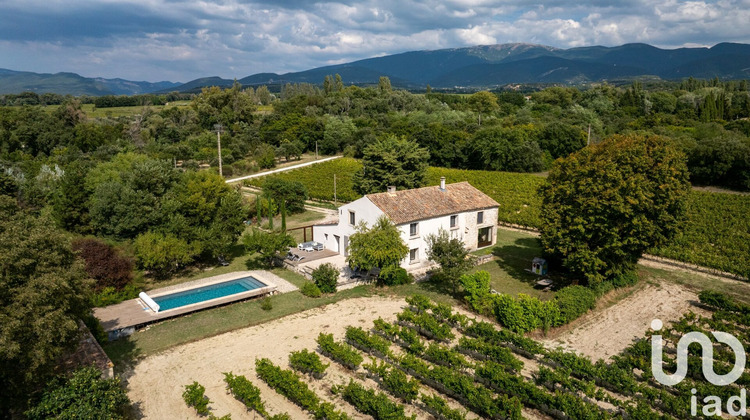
column 134, row 313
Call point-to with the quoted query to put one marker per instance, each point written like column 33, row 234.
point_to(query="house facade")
column 460, row 209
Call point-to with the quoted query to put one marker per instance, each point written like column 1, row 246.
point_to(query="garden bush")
column 195, row 397
column 244, row 391
column 574, row 301
column 477, row 291
column 104, row 263
column 340, row 352
column 326, row 276
column 266, row 304
column 307, row 362
column 526, row 313
column 109, row 295
column 309, row 289
column 392, row 275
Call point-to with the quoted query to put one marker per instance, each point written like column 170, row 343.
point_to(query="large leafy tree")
column 605, row 205
column 380, row 246
column 391, row 161
column 71, row 200
column 292, row 193
column 451, row 254
column 206, row 211
column 129, row 201
column 268, row 244
column 43, row 294
column 85, row 395
column 483, row 103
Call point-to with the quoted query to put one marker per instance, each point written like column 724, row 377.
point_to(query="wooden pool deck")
column 127, row 316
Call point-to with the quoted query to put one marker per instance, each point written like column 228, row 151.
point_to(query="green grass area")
column 508, row 270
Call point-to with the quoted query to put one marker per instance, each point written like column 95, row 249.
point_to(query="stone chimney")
column 391, row 189
column 442, row 183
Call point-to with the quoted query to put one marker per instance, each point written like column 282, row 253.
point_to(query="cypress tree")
column 283, row 216
column 270, row 214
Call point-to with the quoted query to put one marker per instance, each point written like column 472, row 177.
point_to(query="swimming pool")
column 205, row 293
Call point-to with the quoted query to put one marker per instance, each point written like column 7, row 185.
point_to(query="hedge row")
column 371, row 402
column 288, row 384
column 340, row 352
column 525, row 313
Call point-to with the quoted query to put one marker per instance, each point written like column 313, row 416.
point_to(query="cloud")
column 185, row 39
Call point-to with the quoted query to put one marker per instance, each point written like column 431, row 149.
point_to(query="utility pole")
column 219, row 129
column 335, row 202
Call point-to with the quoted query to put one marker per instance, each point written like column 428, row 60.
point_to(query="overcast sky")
column 180, row 40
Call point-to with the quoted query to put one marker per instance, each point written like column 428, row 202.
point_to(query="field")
column 396, row 359
column 716, row 233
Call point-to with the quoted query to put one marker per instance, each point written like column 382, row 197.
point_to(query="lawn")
column 509, row 273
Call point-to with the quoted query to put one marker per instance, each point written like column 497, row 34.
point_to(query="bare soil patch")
column 156, row 383
column 604, row 333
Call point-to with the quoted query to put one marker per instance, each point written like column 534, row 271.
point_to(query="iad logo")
column 713, row 403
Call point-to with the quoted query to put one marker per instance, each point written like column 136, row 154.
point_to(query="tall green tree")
column 293, row 193
column 70, row 204
column 380, row 246
column 268, row 244
column 44, row 291
column 452, row 256
column 391, row 161
column 483, row 103
column 605, row 205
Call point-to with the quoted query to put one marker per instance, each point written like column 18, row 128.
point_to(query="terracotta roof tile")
column 407, row 206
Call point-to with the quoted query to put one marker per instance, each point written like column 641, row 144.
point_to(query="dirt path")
column 602, row 334
column 156, row 383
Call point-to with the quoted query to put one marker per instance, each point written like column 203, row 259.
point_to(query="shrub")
column 163, row 254
column 266, row 304
column 574, row 301
column 526, row 313
column 307, row 362
column 326, row 277
column 109, row 295
column 367, row 401
column 195, row 397
column 393, row 275
column 477, row 291
column 104, row 263
column 244, row 391
column 625, row 279
column 340, row 352
column 309, row 289
column 84, row 395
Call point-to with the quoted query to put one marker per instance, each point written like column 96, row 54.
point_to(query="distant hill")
column 482, row 66
column 498, row 65
column 73, row 84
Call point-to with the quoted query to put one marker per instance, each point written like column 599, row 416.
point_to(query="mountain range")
column 12, row 81
column 484, row 66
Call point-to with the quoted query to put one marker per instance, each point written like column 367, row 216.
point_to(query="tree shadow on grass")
column 437, row 284
column 123, row 353
column 516, row 260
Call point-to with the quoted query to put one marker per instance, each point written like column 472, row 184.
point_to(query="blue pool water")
column 202, row 294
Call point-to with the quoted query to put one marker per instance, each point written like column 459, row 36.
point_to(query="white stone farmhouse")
column 460, row 209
